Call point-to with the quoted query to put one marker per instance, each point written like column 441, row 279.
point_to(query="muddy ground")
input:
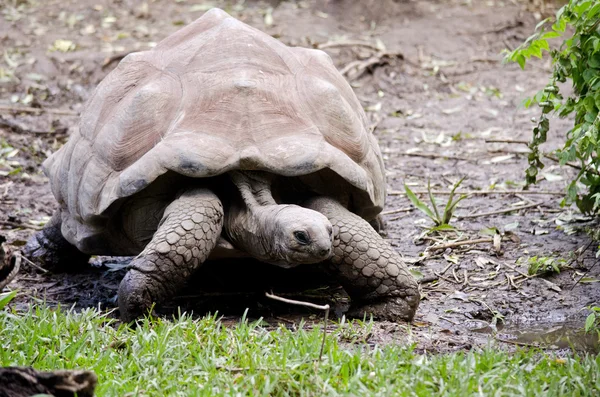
column 430, row 76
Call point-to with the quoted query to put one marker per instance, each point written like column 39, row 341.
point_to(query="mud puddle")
column 552, row 336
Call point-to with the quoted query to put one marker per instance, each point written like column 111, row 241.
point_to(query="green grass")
column 203, row 358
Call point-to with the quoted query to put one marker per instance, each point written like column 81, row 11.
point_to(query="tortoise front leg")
column 51, row 250
column 187, row 233
column 367, row 266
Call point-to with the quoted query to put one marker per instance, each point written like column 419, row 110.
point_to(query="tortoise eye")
column 302, row 237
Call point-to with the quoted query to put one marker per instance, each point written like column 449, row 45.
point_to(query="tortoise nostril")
column 324, row 252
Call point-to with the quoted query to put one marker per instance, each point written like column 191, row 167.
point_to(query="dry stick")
column 546, row 155
column 30, row 262
column 480, row 192
column 306, row 304
column 436, row 156
column 25, row 109
column 348, row 43
column 522, row 207
column 550, row 157
column 21, row 225
column 390, row 212
column 508, row 140
column 461, row 243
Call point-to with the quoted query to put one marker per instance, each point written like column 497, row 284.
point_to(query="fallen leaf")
column 269, row 17
column 460, row 296
column 497, row 239
column 499, row 159
column 551, row 177
column 551, row 285
column 63, row 45
column 452, row 110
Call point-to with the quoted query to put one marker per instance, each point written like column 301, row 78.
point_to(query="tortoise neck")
column 254, row 187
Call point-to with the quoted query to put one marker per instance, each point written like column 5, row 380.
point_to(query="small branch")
column 17, row 129
column 32, row 264
column 461, row 243
column 348, row 43
column 480, row 192
column 551, row 157
column 306, row 304
column 522, row 207
column 20, row 225
column 396, row 211
column 436, row 156
column 355, row 69
column 507, row 140
column 25, row 109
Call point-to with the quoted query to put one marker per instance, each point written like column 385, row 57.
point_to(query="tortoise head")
column 300, row 236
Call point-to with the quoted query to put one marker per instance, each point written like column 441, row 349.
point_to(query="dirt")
column 436, row 99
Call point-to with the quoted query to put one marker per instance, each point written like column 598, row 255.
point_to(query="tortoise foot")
column 390, row 309
column 188, row 232
column 135, row 299
column 370, row 270
column 49, row 249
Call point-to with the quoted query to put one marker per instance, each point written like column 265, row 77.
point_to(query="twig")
column 428, row 279
column 306, row 304
column 481, row 192
column 435, row 156
column 396, row 211
column 506, row 140
column 25, row 109
column 551, row 157
column 360, row 67
column 460, row 243
column 349, row 43
column 514, row 269
column 14, row 127
column 21, row 225
column 516, row 343
column 503, row 211
column 30, row 262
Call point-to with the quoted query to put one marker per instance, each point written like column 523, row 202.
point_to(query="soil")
column 436, row 98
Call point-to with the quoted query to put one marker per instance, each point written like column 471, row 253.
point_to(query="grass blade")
column 6, row 298
column 450, row 205
column 421, row 206
column 432, row 199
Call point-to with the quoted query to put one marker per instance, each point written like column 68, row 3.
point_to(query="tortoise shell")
column 217, row 95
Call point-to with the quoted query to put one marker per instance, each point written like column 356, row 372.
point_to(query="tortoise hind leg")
column 368, row 268
column 51, row 250
column 189, row 230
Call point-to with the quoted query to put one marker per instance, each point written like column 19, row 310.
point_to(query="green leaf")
column 418, row 203
column 590, row 321
column 521, row 61
column 6, row 298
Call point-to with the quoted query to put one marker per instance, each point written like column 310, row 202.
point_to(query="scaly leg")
column 374, row 275
column 189, row 230
column 51, row 250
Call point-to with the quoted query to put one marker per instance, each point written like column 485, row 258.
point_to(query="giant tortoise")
column 223, row 142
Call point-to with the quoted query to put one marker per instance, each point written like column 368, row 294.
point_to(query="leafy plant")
column 544, row 264
column 441, row 222
column 577, row 59
column 592, row 322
